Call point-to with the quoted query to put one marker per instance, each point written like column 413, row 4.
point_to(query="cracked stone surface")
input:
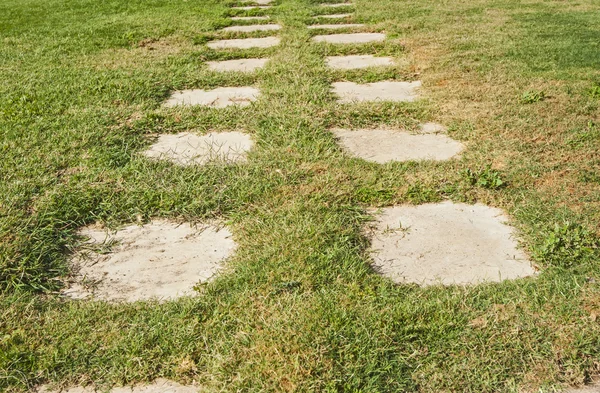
column 378, row 91
column 217, row 98
column 251, row 28
column 191, row 149
column 337, row 26
column 123, row 265
column 383, row 145
column 158, row 386
column 358, row 61
column 240, row 65
column 244, row 43
column 446, row 243
column 350, row 38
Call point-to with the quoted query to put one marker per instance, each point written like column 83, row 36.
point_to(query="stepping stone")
column 351, row 38
column 190, row 149
column 378, row 91
column 217, row 98
column 245, row 43
column 335, row 5
column 383, row 146
column 250, row 18
column 334, row 16
column 159, row 260
column 336, row 26
column 446, row 243
column 358, row 61
column 158, row 386
column 251, row 7
column 241, row 65
column 259, row 2
column 251, row 28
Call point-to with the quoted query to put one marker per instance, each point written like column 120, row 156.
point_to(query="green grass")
column 299, row 309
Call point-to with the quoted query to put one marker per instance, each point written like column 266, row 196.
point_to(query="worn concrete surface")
column 217, row 98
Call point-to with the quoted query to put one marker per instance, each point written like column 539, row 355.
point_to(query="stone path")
column 240, row 65
column 350, row 38
column 244, row 43
column 251, row 7
column 334, row 16
column 190, row 149
column 378, row 91
column 158, row 386
column 250, row 18
column 357, row 62
column 336, row 26
column 251, row 28
column 217, row 98
column 381, row 145
column 125, row 268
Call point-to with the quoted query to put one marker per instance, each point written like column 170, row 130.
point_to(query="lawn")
column 299, row 308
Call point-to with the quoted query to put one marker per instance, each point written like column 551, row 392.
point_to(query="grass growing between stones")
column 298, row 308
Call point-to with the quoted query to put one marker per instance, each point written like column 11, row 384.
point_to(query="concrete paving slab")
column 381, row 145
column 251, row 28
column 217, row 98
column 335, row 5
column 250, row 18
column 446, row 243
column 252, row 7
column 378, row 91
column 245, row 43
column 358, row 61
column 123, row 265
column 259, row 2
column 334, row 16
column 158, row 386
column 191, row 149
column 336, row 26
column 239, row 65
column 350, row 38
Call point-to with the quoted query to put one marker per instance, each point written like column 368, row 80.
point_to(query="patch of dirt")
column 160, row 260
column 189, row 149
column 217, row 98
column 446, row 243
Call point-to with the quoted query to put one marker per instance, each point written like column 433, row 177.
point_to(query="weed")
column 567, row 245
column 486, row 178
column 532, row 96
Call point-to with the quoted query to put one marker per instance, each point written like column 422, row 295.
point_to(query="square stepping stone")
column 446, row 243
column 335, row 5
column 217, row 98
column 259, row 2
column 239, row 65
column 351, row 38
column 250, row 18
column 378, row 91
column 251, row 28
column 251, row 7
column 190, row 149
column 384, row 145
column 158, row 386
column 334, row 16
column 337, row 26
column 358, row 61
column 160, row 260
column 244, row 43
